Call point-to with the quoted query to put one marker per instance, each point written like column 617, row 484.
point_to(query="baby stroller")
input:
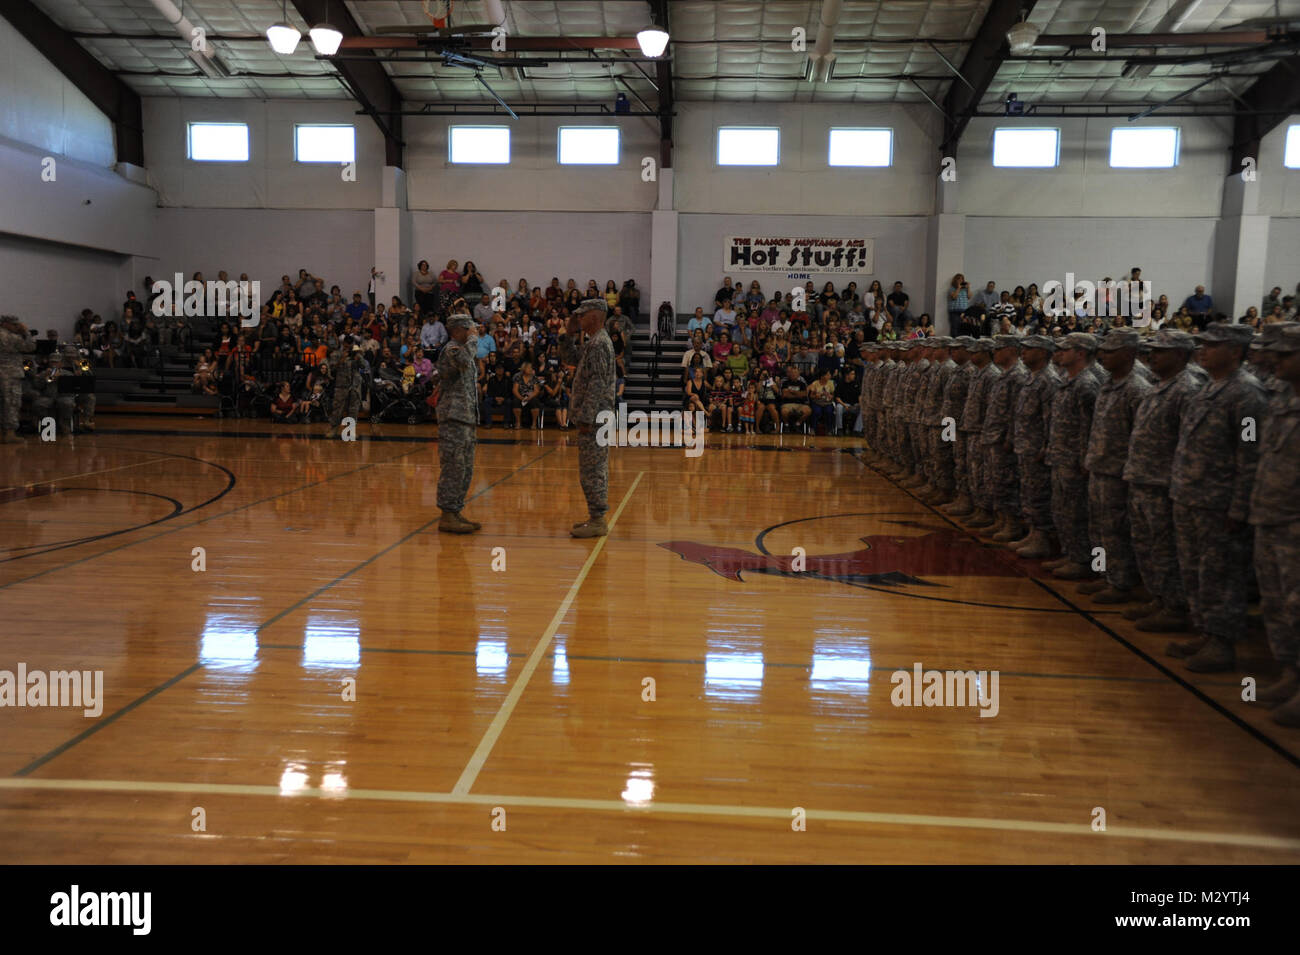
column 401, row 403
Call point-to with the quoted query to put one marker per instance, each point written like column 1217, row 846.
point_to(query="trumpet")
column 28, row 365
column 83, row 365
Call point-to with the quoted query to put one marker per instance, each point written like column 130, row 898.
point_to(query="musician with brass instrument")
column 14, row 343
column 76, row 409
column 38, row 389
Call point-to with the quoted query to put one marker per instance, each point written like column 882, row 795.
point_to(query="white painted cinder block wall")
column 536, row 219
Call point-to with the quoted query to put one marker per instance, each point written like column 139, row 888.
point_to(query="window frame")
column 1178, row 146
column 1056, row 164
column 298, row 126
column 451, row 132
column 618, row 146
column 830, row 135
column 189, row 140
column 717, row 148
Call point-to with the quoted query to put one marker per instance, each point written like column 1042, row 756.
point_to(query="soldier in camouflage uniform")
column 972, row 423
column 872, row 369
column 893, row 412
column 951, row 452
column 1112, row 425
column 908, row 402
column 1150, row 459
column 347, row 386
column 1001, row 471
column 14, row 343
column 1211, row 483
column 939, row 488
column 38, row 391
column 1067, row 445
column 1275, row 515
column 457, row 423
column 593, row 392
column 1033, row 417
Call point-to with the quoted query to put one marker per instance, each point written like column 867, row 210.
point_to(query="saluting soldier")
column 972, row 422
column 1002, row 473
column 1150, row 460
column 1070, row 424
column 457, row 411
column 593, row 392
column 1211, row 482
column 1033, row 418
column 1275, row 515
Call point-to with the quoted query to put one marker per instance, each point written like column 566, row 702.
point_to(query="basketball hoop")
column 438, row 12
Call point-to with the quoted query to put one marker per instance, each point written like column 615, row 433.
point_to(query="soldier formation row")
column 1155, row 470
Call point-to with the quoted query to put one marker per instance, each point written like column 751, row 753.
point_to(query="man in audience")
column 988, row 297
column 896, row 304
column 794, row 397
column 1200, row 305
column 483, row 310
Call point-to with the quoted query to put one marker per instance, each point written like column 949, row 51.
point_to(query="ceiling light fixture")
column 325, row 38
column 1021, row 37
column 653, row 40
column 282, row 37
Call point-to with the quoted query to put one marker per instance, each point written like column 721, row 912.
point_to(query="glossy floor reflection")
column 288, row 643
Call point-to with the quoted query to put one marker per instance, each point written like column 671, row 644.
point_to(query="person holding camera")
column 14, row 343
column 958, row 302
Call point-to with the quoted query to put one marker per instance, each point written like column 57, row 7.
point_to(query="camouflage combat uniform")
column 1275, row 515
column 594, row 384
column 347, row 389
column 1151, row 512
column 1067, row 444
column 1001, row 473
column 458, row 409
column 938, row 451
column 1112, row 424
column 952, row 468
column 972, row 423
column 12, row 347
column 1211, row 483
column 1032, row 421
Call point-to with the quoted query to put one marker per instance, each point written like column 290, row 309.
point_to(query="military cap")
column 1006, row 341
column 964, row 341
column 460, row 321
column 981, row 344
column 592, row 305
column 1170, row 338
column 1286, row 339
column 1038, row 341
column 1270, row 333
column 1118, row 338
column 1230, row 332
column 939, row 341
column 1085, row 340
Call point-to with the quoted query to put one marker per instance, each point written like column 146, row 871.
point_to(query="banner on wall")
column 801, row 254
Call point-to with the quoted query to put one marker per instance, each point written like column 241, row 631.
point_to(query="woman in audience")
column 537, row 302
column 424, row 285
column 1251, row 318
column 572, row 296
column 471, row 282
column 449, row 280
column 611, row 294
column 696, row 392
column 203, row 372
column 554, row 294
column 283, row 407
column 755, row 298
column 620, row 346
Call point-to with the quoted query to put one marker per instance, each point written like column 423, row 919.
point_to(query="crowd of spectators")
column 760, row 363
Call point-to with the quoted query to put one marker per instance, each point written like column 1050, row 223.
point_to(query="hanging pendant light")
column 325, row 38
column 282, row 37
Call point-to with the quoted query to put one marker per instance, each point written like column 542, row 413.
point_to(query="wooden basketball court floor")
column 504, row 714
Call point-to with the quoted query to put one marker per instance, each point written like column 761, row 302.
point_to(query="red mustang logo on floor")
column 887, row 559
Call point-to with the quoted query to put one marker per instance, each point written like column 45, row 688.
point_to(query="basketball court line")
column 202, row 520
column 69, row 477
column 122, row 711
column 484, row 749
column 1214, row 704
column 782, row 813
